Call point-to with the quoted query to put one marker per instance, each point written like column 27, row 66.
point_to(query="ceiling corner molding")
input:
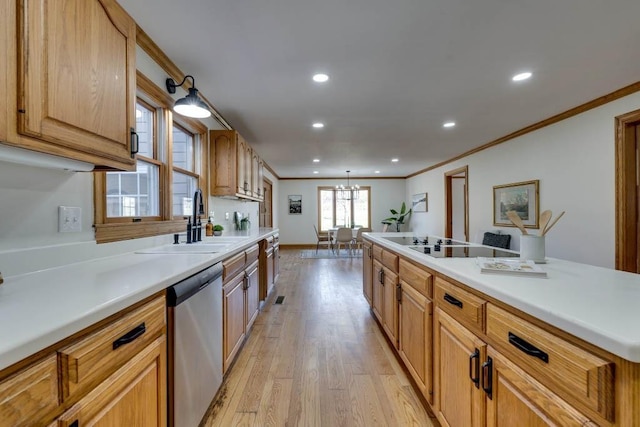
column 153, row 50
column 598, row 102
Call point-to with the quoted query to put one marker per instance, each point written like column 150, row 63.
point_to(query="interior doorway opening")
column 627, row 192
column 456, row 202
column 266, row 206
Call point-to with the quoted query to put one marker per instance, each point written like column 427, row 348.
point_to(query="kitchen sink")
column 196, row 248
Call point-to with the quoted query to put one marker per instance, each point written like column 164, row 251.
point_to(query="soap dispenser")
column 209, row 228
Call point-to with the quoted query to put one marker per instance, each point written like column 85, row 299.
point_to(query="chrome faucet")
column 194, row 226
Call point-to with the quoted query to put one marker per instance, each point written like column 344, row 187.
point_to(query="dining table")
column 333, row 231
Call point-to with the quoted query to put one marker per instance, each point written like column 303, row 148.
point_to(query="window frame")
column 333, row 189
column 123, row 228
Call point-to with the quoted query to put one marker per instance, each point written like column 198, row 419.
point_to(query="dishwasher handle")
column 190, row 286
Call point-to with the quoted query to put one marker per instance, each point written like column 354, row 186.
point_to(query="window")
column 137, row 194
column 335, row 212
column 156, row 197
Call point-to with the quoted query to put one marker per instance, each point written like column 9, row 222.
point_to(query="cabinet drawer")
column 30, row 394
column 252, row 253
column 377, row 252
column 276, row 239
column 575, row 371
column 388, row 259
column 464, row 306
column 419, row 278
column 87, row 362
column 232, row 265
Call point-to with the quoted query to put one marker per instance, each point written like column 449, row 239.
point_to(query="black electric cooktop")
column 439, row 247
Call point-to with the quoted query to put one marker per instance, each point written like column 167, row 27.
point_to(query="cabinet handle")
column 135, row 143
column 399, row 293
column 474, row 368
column 527, row 348
column 487, row 377
column 453, row 301
column 130, row 336
column 381, row 277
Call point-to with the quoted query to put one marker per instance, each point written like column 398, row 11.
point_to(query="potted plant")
column 217, row 230
column 398, row 217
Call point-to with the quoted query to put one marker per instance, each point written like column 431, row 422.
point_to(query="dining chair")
column 323, row 238
column 344, row 236
column 357, row 241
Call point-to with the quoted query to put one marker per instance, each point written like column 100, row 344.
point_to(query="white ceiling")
column 398, row 69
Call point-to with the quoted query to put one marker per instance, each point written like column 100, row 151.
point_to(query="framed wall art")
column 295, row 204
column 521, row 197
column 419, row 202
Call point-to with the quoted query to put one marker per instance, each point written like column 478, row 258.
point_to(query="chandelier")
column 348, row 192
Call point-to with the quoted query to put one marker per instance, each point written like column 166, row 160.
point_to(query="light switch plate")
column 69, row 219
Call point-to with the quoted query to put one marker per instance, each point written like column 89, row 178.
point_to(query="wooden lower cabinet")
column 460, row 400
column 391, row 289
column 135, row 395
column 518, row 399
column 233, row 319
column 367, row 271
column 415, row 337
column 252, row 295
column 276, row 265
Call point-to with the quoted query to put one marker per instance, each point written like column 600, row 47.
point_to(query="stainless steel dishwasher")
column 194, row 311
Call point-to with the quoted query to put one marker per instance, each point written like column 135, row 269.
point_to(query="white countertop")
column 598, row 305
column 41, row 308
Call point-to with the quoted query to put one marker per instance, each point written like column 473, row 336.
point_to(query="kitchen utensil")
column 553, row 223
column 517, row 221
column 545, row 216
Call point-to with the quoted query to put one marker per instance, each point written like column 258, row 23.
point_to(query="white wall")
column 386, row 194
column 574, row 161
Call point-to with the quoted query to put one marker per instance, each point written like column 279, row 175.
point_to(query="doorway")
column 456, row 202
column 627, row 193
column 266, row 206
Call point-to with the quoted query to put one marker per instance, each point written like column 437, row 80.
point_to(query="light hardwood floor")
column 319, row 359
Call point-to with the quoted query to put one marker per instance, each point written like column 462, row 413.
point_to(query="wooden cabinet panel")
column 87, row 362
column 252, row 253
column 518, row 399
column 367, row 272
column 76, row 80
column 464, row 306
column 29, row 395
column 378, row 290
column 252, row 293
column 270, row 270
column 458, row 353
column 276, row 264
column 415, row 341
column 571, row 369
column 419, row 278
column 390, row 305
column 134, row 395
column 233, row 319
column 233, row 265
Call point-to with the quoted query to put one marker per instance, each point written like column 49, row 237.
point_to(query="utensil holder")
column 532, row 247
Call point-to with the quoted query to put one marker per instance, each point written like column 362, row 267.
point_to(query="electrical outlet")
column 69, row 219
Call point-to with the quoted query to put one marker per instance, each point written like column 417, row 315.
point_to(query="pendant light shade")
column 191, row 105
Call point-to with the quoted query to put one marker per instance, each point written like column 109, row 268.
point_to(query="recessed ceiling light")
column 395, row 160
column 315, row 172
column 320, row 77
column 449, row 124
column 377, row 172
column 521, row 76
column 318, row 125
column 316, row 160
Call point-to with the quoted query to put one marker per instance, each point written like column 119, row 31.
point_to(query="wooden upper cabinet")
column 232, row 160
column 76, row 81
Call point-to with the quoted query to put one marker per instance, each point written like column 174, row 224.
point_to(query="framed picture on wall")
column 295, row 204
column 419, row 202
column 521, row 197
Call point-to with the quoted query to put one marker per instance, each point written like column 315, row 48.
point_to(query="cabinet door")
column 241, row 166
column 135, row 395
column 270, row 269
column 256, row 180
column 223, row 176
column 415, row 344
column 367, row 271
column 252, row 291
column 248, row 173
column 276, row 264
column 233, row 320
column 378, row 290
column 459, row 399
column 76, row 78
column 390, row 303
column 260, row 179
column 518, row 399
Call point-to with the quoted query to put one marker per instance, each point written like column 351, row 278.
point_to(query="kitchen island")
column 564, row 348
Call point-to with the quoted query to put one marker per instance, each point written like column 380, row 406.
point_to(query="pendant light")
column 348, row 192
column 191, row 105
